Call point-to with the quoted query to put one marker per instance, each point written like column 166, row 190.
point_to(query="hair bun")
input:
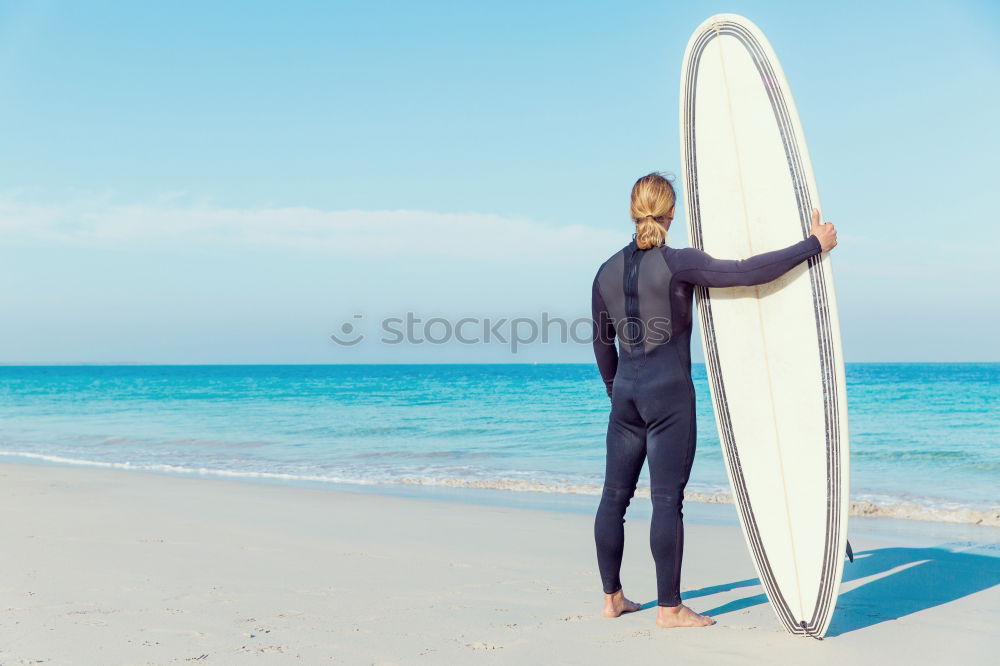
column 653, row 198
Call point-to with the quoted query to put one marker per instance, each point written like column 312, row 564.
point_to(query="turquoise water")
column 924, row 435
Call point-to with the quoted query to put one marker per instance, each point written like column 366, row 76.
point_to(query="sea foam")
column 867, row 506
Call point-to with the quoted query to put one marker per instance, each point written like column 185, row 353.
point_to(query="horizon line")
column 73, row 364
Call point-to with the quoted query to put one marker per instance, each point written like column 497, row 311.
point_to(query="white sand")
column 113, row 567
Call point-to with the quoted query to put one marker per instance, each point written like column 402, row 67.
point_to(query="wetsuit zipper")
column 632, row 303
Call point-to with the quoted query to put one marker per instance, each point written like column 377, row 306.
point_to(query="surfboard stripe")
column 828, row 370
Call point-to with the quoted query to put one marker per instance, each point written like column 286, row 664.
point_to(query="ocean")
column 925, row 438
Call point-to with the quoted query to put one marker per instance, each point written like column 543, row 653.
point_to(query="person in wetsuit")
column 642, row 296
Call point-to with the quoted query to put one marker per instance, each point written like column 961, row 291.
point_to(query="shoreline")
column 107, row 567
column 548, row 494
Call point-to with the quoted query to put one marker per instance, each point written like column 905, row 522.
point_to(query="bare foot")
column 680, row 616
column 616, row 604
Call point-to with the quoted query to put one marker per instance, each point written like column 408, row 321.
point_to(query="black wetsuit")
column 644, row 299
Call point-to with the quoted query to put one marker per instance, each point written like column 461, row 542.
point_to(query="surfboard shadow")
column 715, row 589
column 917, row 579
column 908, row 580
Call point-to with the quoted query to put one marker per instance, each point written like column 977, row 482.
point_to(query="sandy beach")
column 117, row 567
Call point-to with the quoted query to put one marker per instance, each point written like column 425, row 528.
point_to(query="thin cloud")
column 98, row 221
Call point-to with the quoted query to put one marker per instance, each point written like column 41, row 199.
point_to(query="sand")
column 120, row 567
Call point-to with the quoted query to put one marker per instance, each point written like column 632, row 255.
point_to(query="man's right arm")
column 699, row 267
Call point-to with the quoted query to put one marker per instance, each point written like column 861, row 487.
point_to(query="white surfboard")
column 773, row 351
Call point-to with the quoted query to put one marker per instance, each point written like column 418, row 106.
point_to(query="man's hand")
column 824, row 231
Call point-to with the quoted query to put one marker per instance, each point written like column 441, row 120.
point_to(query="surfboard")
column 773, row 351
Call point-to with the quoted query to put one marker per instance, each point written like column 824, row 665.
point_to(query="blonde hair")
column 652, row 198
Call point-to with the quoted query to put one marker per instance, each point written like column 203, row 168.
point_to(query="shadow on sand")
column 913, row 579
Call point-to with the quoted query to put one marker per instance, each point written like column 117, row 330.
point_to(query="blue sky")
column 231, row 181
